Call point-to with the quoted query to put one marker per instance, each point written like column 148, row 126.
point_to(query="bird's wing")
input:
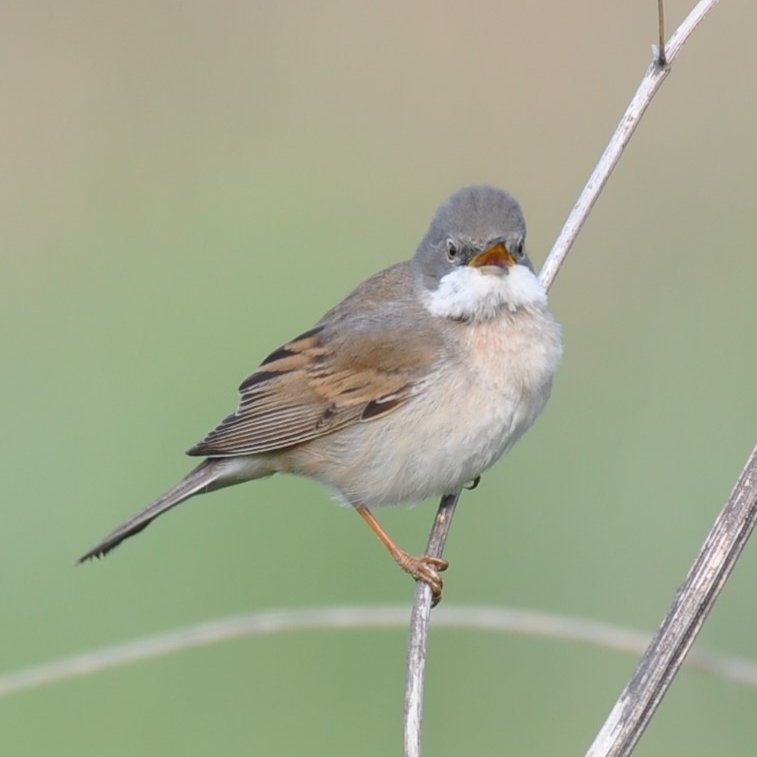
column 323, row 380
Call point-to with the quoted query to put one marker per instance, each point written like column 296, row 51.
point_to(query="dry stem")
column 653, row 79
column 683, row 621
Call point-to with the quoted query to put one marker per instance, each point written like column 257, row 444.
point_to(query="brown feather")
column 325, row 379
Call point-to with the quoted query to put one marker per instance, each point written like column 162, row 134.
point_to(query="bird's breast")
column 483, row 393
column 508, row 366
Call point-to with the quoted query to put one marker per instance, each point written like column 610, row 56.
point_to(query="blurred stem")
column 530, row 623
column 651, row 82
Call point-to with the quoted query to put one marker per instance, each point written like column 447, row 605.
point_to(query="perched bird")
column 416, row 383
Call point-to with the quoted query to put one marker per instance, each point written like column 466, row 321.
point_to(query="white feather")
column 481, row 294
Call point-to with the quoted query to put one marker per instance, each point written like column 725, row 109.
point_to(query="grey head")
column 475, row 219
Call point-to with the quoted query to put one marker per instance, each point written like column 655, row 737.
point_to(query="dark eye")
column 517, row 249
column 453, row 252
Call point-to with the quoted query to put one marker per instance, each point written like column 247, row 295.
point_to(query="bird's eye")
column 453, row 253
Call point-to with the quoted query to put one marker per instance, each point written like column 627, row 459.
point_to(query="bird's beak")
column 497, row 255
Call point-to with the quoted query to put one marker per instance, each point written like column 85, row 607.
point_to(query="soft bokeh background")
column 184, row 186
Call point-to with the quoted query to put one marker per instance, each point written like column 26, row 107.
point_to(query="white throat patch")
column 468, row 292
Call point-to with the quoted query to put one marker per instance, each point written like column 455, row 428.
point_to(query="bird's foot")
column 425, row 568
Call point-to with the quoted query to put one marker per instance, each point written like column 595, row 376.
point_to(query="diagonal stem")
column 692, row 604
column 651, row 82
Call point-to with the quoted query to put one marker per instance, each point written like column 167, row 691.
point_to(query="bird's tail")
column 200, row 480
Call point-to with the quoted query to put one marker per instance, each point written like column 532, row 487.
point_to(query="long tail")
column 200, row 480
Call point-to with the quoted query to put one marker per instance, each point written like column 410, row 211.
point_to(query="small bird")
column 413, row 385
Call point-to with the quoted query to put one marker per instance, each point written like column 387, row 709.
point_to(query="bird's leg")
column 424, row 568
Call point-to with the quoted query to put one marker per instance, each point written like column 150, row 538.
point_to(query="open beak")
column 497, row 255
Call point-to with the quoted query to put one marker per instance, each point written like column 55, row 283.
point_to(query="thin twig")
column 691, row 606
column 467, row 617
column 653, row 79
column 419, row 618
column 661, row 57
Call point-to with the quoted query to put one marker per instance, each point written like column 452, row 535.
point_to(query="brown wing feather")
column 320, row 382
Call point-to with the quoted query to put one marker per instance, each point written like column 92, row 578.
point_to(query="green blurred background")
column 184, row 186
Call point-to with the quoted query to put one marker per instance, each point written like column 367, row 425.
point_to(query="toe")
column 438, row 563
column 429, row 576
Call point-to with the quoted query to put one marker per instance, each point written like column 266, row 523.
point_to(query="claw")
column 425, row 568
column 473, row 484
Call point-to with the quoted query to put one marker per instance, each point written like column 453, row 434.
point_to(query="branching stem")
column 653, row 79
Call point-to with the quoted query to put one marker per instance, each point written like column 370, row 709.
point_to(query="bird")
column 412, row 386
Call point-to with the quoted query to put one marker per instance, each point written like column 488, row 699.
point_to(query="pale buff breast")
column 468, row 413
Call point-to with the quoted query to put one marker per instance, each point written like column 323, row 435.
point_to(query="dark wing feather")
column 321, row 381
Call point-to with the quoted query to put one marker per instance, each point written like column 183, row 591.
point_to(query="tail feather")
column 200, row 480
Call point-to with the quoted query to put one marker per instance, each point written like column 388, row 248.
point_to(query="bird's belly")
column 461, row 421
column 442, row 451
